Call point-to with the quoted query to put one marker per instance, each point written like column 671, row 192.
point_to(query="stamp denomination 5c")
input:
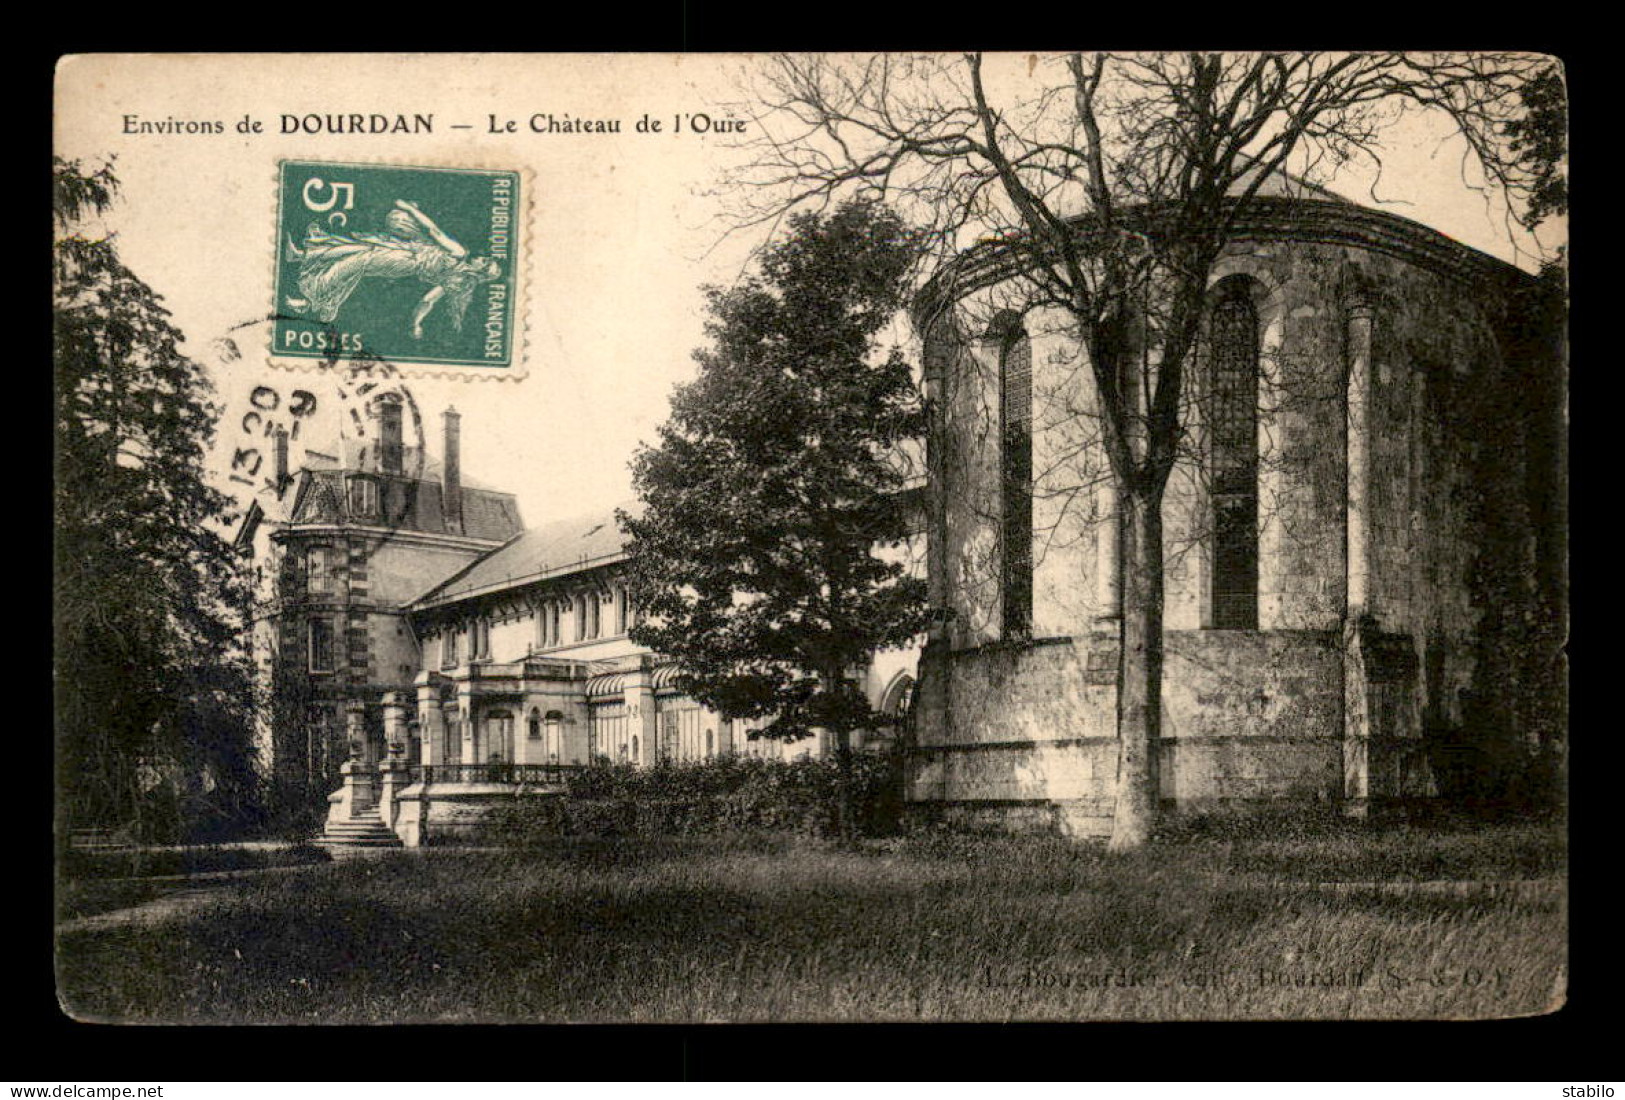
column 408, row 264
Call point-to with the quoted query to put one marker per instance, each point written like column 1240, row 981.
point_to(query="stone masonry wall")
column 1251, row 715
column 1024, row 732
column 1027, row 724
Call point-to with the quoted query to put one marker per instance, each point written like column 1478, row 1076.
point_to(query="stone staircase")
column 367, row 830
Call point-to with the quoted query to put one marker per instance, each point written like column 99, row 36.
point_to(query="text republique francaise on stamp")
column 400, row 263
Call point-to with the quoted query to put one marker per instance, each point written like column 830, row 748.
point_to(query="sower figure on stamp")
column 332, row 266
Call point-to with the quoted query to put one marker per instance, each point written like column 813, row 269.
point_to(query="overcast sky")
column 621, row 233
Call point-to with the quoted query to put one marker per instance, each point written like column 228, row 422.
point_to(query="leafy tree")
column 1539, row 142
column 1108, row 191
column 759, row 559
column 150, row 679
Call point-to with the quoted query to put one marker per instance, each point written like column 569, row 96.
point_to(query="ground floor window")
column 452, row 743
column 553, row 742
column 609, row 732
column 498, row 742
column 683, row 736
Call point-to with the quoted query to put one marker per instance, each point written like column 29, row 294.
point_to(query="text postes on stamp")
column 407, row 264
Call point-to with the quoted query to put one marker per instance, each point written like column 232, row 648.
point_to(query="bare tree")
column 1114, row 184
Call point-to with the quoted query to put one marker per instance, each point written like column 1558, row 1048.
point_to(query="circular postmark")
column 339, row 442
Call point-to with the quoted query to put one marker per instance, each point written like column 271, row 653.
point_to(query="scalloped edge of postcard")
column 518, row 369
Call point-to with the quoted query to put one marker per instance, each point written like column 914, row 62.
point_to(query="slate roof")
column 411, row 504
column 550, row 550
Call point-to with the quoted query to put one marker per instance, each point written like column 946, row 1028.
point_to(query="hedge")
column 728, row 795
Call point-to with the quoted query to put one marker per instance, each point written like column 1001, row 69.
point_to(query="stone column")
column 394, row 776
column 641, row 718
column 465, row 715
column 1358, row 458
column 395, row 703
column 1356, row 724
column 1108, row 552
column 393, row 771
column 431, row 723
column 358, row 793
column 1357, row 580
column 355, row 731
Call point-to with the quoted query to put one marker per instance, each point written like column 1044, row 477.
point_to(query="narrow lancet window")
column 1016, row 482
column 1233, row 458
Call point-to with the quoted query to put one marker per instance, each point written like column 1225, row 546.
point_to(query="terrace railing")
column 530, row 775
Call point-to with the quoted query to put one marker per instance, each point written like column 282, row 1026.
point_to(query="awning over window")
column 664, row 678
column 606, row 684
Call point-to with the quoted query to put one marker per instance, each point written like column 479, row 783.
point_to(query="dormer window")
column 363, row 496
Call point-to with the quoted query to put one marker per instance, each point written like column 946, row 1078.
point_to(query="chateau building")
column 340, row 556
column 424, row 655
column 1363, row 536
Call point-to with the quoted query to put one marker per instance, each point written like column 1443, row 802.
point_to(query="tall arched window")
column 1016, row 481
column 533, row 731
column 1232, row 417
column 554, row 745
column 899, row 696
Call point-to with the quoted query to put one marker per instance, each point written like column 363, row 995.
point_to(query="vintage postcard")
column 741, row 538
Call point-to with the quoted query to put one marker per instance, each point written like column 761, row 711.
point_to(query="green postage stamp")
column 398, row 263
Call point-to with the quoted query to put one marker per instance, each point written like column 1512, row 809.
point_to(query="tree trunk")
column 1139, row 699
column 844, row 809
column 834, row 683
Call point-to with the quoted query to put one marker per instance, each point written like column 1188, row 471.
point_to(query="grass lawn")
column 1199, row 927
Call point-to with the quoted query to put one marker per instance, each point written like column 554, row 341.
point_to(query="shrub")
column 727, row 795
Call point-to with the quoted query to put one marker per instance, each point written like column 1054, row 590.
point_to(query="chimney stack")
column 389, row 434
column 279, row 469
column 451, row 474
